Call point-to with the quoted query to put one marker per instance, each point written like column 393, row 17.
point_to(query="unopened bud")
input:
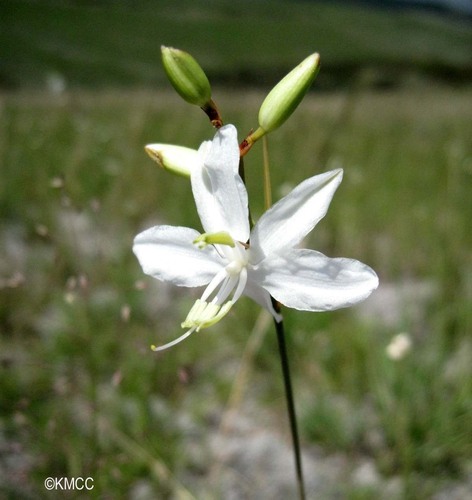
column 186, row 76
column 176, row 159
column 284, row 98
column 189, row 80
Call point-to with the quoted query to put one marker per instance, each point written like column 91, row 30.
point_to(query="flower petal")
column 261, row 297
column 310, row 281
column 168, row 254
column 294, row 216
column 219, row 192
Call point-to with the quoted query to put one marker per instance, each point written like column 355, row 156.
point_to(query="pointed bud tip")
column 154, row 154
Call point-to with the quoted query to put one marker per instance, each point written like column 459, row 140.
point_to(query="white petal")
column 261, row 297
column 310, row 281
column 219, row 192
column 168, row 254
column 293, row 217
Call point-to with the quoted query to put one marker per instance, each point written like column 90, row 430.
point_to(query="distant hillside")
column 102, row 43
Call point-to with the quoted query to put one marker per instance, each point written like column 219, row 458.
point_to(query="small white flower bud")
column 176, row 159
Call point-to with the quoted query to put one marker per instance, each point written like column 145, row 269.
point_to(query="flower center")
column 213, row 304
column 235, row 267
column 231, row 279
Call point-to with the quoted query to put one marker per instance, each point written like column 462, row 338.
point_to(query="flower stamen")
column 232, row 279
column 204, row 314
column 176, row 341
column 220, row 238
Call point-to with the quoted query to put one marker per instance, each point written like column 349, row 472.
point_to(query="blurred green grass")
column 243, row 42
column 81, row 392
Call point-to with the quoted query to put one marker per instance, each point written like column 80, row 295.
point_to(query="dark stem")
column 279, row 327
column 243, row 177
column 213, row 114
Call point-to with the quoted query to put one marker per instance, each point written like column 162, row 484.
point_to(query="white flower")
column 232, row 260
column 399, row 346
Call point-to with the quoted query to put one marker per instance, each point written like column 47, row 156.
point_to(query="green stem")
column 279, row 327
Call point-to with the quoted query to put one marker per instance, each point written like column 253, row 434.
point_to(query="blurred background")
column 383, row 390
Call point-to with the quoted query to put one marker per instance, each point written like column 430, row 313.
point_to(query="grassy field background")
column 243, row 42
column 82, row 394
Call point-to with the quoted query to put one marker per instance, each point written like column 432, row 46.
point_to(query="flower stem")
column 243, row 177
column 267, row 186
column 213, row 114
column 279, row 327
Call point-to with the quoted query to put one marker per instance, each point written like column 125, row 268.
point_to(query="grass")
column 117, row 43
column 82, row 394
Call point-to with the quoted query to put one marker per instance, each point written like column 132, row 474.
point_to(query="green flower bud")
column 186, row 76
column 283, row 99
column 176, row 159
